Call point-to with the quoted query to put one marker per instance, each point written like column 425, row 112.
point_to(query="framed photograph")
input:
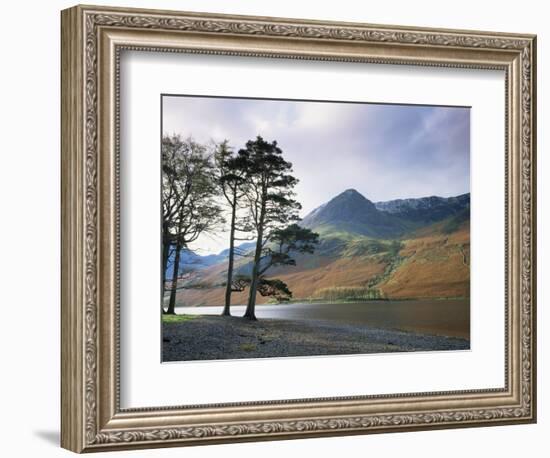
column 277, row 228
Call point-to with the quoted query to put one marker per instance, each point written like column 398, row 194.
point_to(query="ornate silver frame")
column 92, row 38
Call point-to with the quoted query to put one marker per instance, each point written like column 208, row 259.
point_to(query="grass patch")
column 177, row 318
column 248, row 347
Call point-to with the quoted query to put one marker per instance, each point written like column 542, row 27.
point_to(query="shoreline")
column 335, row 302
column 212, row 337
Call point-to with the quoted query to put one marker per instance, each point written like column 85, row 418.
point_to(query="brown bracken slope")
column 429, row 264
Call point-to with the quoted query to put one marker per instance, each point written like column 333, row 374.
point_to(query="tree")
column 271, row 202
column 232, row 175
column 284, row 241
column 188, row 202
column 274, row 287
column 267, row 287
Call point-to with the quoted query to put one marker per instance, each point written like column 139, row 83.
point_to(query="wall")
column 29, row 245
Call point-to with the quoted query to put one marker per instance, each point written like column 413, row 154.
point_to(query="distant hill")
column 191, row 261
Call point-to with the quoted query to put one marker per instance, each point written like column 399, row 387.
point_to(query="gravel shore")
column 215, row 337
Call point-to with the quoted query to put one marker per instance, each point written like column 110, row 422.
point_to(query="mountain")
column 404, row 248
column 349, row 215
column 352, row 212
column 426, row 209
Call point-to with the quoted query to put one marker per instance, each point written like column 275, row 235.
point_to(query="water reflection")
column 439, row 317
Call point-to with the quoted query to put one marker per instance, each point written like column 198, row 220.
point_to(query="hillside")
column 410, row 248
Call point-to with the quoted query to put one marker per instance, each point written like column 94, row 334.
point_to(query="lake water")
column 438, row 317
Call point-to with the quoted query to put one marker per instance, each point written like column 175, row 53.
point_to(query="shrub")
column 353, row 293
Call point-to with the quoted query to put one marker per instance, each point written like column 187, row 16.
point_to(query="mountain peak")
column 351, row 191
column 350, row 195
column 353, row 212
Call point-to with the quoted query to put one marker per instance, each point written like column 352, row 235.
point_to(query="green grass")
column 177, row 318
column 247, row 347
column 329, row 232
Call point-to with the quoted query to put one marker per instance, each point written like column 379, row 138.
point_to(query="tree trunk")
column 172, row 304
column 165, row 251
column 251, row 306
column 226, row 308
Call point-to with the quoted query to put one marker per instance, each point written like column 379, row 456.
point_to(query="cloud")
column 383, row 151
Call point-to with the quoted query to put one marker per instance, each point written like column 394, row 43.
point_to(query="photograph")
column 309, row 228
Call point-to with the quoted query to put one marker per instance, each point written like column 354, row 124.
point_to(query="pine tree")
column 232, row 178
column 271, row 202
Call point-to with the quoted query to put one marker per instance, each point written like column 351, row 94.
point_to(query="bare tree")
column 188, row 201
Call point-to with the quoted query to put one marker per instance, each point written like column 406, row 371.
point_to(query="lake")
column 437, row 317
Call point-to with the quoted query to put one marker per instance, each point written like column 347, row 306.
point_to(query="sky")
column 383, row 151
